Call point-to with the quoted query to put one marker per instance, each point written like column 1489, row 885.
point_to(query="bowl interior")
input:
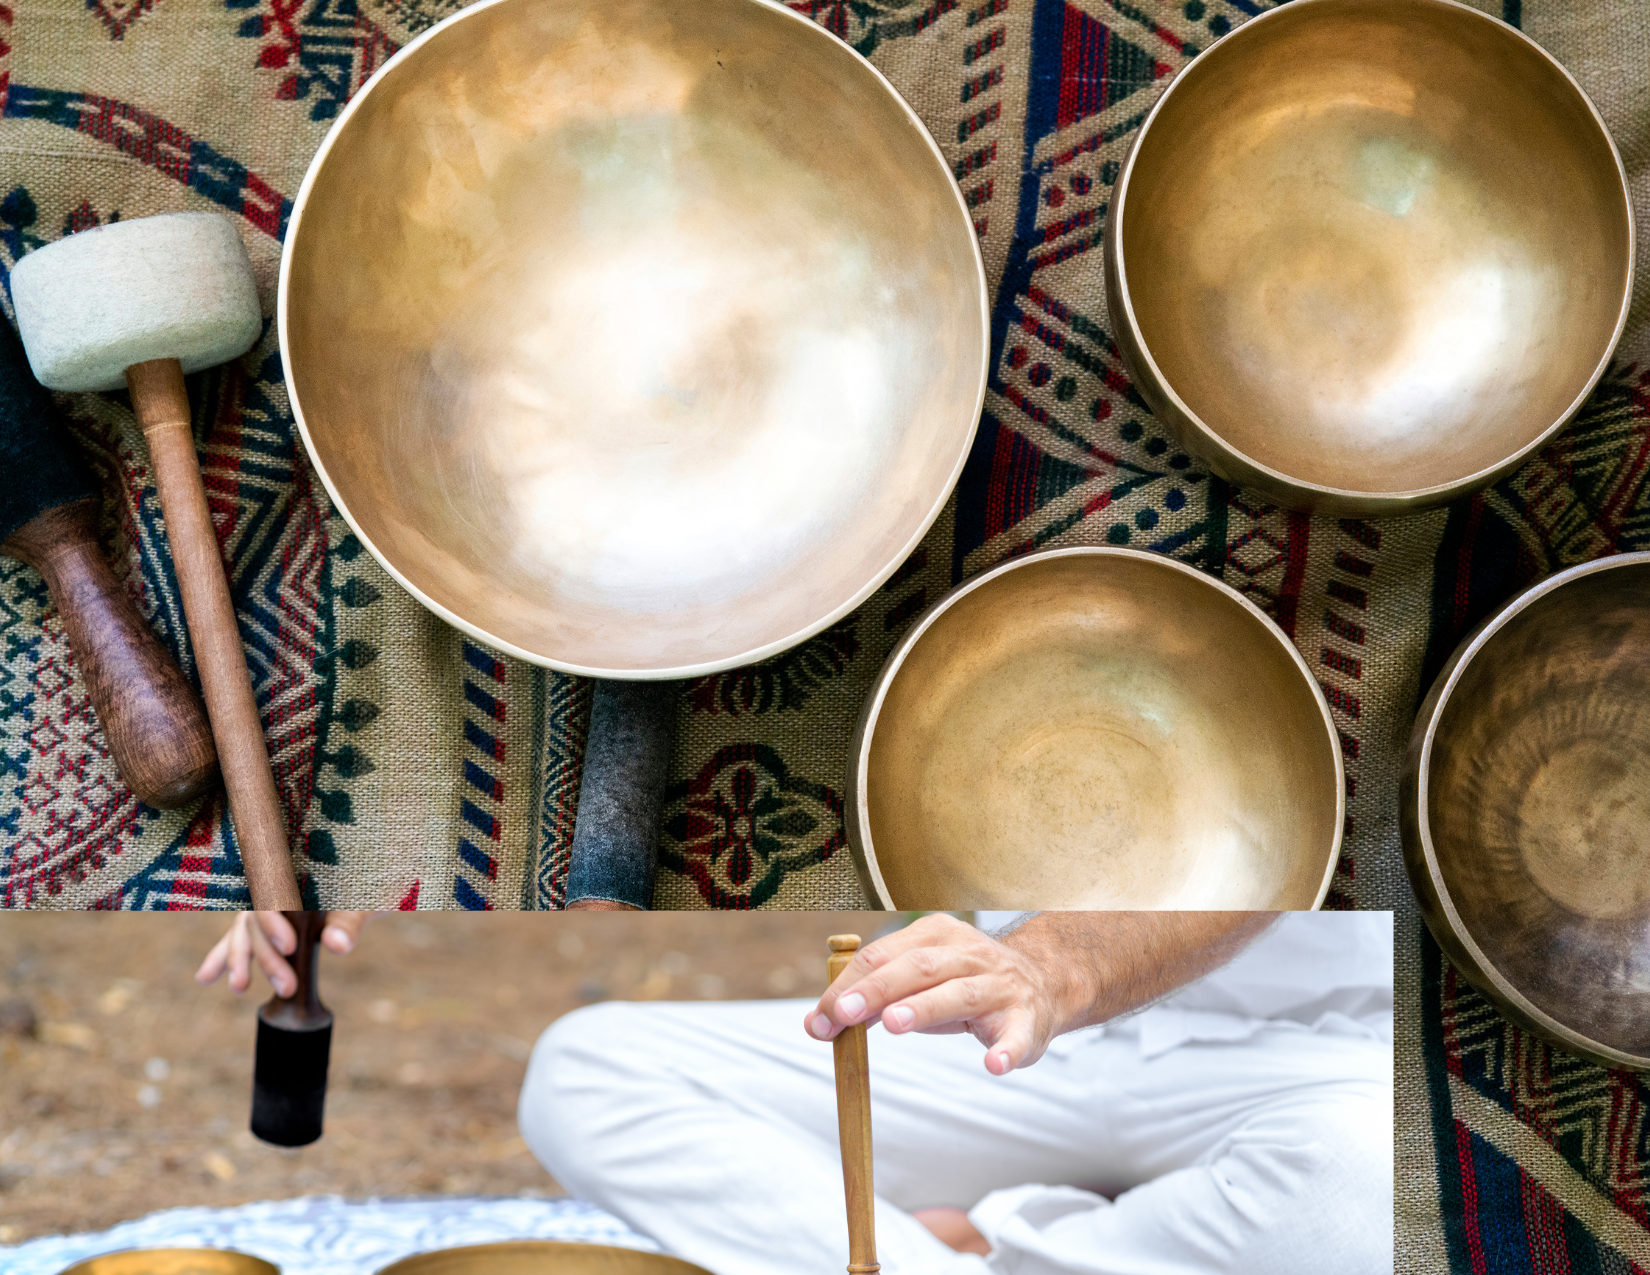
column 1377, row 245
column 1101, row 730
column 1538, row 804
column 640, row 336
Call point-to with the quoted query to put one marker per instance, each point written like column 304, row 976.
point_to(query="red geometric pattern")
column 118, row 15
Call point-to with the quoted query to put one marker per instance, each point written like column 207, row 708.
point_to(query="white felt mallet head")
column 178, row 286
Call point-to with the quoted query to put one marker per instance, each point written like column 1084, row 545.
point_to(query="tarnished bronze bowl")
column 1366, row 255
column 1095, row 728
column 541, row 1257
column 173, row 1261
column 638, row 338
column 1526, row 809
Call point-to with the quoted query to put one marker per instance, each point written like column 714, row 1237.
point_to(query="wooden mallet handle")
column 157, row 730
column 162, row 406
column 853, row 1115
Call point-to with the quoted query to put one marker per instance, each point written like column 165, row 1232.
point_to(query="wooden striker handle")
column 853, row 1115
column 156, row 727
column 162, row 407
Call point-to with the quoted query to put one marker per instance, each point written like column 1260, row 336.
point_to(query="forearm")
column 1098, row 965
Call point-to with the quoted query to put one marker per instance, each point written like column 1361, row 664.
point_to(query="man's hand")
column 268, row 938
column 941, row 975
column 1057, row 972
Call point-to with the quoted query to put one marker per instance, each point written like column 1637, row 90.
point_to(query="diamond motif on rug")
column 118, row 15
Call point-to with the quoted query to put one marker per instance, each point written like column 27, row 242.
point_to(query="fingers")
column 217, row 960
column 924, row 932
column 343, row 929
column 1000, row 1014
column 962, row 972
column 240, row 953
column 957, row 1000
column 251, row 937
column 940, row 976
column 1011, row 1041
column 271, row 962
column 931, row 952
column 278, row 930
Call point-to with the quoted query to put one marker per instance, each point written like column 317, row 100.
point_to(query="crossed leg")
column 712, row 1128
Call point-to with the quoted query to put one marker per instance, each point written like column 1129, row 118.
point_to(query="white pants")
column 712, row 1129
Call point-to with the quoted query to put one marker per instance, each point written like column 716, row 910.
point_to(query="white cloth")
column 712, row 1129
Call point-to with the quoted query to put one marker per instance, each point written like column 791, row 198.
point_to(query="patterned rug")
column 423, row 770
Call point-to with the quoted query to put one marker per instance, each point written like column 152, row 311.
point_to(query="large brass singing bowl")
column 1526, row 809
column 173, row 1261
column 638, row 338
column 541, row 1257
column 1095, row 728
column 1366, row 255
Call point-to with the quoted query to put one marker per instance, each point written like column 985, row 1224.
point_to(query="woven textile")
column 421, row 769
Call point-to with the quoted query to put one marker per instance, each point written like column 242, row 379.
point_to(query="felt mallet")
column 853, row 1118
column 138, row 304
column 153, row 720
column 289, row 1073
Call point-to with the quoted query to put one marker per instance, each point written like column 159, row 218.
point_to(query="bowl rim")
column 859, row 817
column 1439, row 492
column 255, row 1265
column 1446, row 683
column 412, row 1262
column 876, row 580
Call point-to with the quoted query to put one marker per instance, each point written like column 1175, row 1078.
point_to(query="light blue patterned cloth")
column 329, row 1235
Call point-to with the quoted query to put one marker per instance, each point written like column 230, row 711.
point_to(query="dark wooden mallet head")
column 289, row 1075
column 153, row 718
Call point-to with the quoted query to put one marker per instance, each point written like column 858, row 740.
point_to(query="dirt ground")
column 130, row 1090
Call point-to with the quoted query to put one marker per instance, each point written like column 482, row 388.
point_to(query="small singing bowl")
column 1095, row 728
column 541, row 1257
column 1365, row 256
column 173, row 1261
column 636, row 338
column 1526, row 809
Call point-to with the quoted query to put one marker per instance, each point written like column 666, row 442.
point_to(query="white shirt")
column 1311, row 971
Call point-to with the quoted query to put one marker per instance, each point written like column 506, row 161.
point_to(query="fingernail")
column 340, row 939
column 899, row 1017
column 852, row 1006
column 820, row 1027
column 1004, row 1062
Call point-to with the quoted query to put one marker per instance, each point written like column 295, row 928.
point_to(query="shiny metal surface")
column 1367, row 254
column 173, row 1261
column 1526, row 809
column 540, row 1257
column 1095, row 728
column 639, row 338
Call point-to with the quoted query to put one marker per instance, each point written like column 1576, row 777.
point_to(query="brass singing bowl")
column 1095, row 728
column 541, row 1257
column 173, row 1261
column 637, row 338
column 1367, row 255
column 1526, row 809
